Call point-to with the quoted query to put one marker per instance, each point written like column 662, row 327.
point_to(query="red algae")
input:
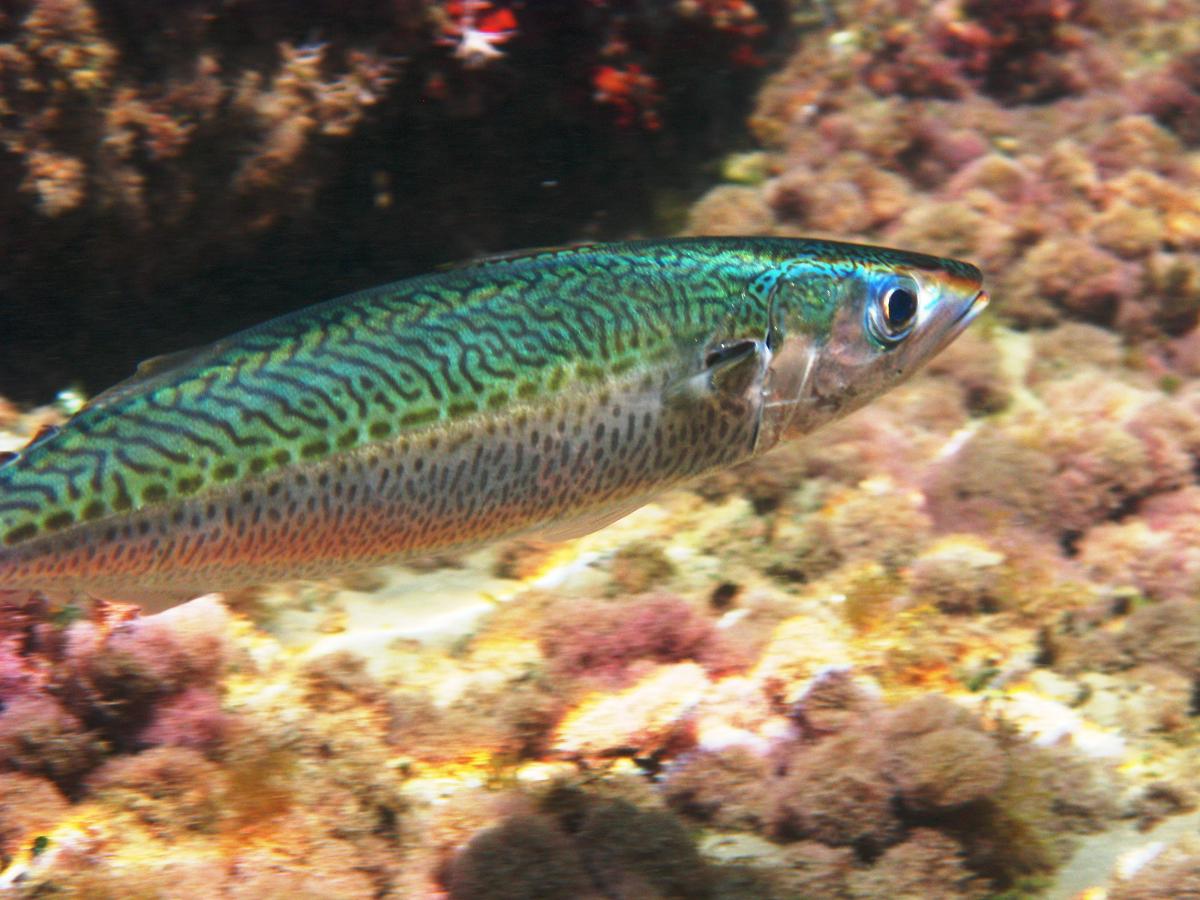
column 949, row 129
column 604, row 639
column 192, row 719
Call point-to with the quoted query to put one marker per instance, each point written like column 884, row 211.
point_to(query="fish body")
column 545, row 393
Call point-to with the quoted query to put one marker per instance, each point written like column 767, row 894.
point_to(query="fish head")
column 845, row 331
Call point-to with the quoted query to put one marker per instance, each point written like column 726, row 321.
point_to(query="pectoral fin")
column 730, row 369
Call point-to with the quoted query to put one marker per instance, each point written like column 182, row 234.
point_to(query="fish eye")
column 899, row 307
column 892, row 313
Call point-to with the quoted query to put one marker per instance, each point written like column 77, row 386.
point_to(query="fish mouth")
column 977, row 305
column 968, row 314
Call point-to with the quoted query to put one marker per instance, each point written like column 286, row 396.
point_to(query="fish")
column 543, row 393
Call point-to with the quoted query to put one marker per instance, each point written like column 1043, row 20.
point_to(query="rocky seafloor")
column 949, row 647
column 933, row 651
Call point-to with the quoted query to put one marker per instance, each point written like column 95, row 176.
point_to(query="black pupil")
column 900, row 307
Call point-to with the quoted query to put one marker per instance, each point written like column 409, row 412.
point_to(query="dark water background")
column 513, row 154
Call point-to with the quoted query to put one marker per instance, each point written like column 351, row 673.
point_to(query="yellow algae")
column 745, row 168
column 869, row 596
column 473, row 767
column 545, row 772
column 504, row 650
column 439, row 783
column 561, row 558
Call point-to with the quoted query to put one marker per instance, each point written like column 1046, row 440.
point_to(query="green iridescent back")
column 375, row 365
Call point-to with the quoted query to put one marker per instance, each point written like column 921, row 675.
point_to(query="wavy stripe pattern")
column 439, row 410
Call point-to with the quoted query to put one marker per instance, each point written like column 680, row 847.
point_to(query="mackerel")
column 543, row 393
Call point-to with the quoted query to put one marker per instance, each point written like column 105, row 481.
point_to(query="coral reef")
column 730, row 790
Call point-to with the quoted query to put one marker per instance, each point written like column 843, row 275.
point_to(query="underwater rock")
column 152, row 656
column 971, row 609
column 632, row 852
column 168, row 788
column 876, row 520
column 1160, row 800
column 1044, row 274
column 29, row 806
column 1174, row 872
column 224, row 134
column 730, row 209
column 973, row 365
column 1160, row 700
column 524, row 856
column 729, row 789
column 580, row 847
column 522, row 558
column 948, row 768
column 1167, row 632
column 1172, row 96
column 191, row 719
column 833, row 702
column 39, row 736
column 980, row 165
column 939, row 757
column 994, row 476
column 961, row 574
column 647, row 718
column 1064, row 351
column 1156, row 553
column 837, row 793
column 928, row 864
column 638, row 568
